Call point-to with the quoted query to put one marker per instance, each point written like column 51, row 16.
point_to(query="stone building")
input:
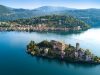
column 58, row 45
column 58, row 48
column 77, row 46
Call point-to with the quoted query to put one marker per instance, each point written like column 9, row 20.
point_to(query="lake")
column 15, row 61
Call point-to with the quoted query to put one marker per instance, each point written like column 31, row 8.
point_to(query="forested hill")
column 53, row 21
column 89, row 16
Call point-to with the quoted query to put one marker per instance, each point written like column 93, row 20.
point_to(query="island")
column 61, row 51
column 45, row 24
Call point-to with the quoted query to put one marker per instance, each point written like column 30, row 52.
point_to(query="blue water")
column 15, row 61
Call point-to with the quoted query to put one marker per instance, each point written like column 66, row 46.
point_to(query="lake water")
column 15, row 61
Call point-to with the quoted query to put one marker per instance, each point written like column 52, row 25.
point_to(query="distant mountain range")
column 90, row 16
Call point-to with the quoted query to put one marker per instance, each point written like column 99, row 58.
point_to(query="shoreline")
column 67, row 61
column 76, row 56
column 58, row 32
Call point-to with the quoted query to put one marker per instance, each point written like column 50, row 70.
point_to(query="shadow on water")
column 60, row 32
column 52, row 32
column 62, row 63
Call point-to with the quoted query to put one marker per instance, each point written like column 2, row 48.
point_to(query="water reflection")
column 63, row 63
column 15, row 59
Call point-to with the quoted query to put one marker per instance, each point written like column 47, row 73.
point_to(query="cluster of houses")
column 81, row 54
column 60, row 48
column 39, row 27
column 77, row 53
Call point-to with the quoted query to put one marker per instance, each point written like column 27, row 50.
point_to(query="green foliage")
column 89, row 16
column 45, row 43
column 31, row 46
column 54, row 21
column 96, row 59
column 38, row 49
column 87, row 52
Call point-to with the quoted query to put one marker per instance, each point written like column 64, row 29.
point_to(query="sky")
column 31, row 4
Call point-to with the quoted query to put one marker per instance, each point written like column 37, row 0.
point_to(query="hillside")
column 7, row 13
column 53, row 21
column 5, row 10
column 90, row 16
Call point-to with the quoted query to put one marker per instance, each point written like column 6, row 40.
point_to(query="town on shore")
column 45, row 23
column 59, row 50
column 38, row 27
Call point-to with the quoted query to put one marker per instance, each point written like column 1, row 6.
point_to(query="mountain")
column 52, row 9
column 90, row 16
column 7, row 13
column 5, row 10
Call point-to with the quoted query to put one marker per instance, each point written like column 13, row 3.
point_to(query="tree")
column 31, row 46
column 87, row 52
column 45, row 43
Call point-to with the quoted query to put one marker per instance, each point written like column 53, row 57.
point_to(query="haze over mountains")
column 90, row 16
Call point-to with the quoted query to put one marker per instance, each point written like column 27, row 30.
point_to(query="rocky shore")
column 61, row 51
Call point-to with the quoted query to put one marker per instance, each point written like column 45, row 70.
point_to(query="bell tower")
column 77, row 46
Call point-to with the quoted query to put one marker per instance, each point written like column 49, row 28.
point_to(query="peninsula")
column 45, row 23
column 61, row 51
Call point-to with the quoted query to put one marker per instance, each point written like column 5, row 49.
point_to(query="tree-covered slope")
column 89, row 16
column 54, row 21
